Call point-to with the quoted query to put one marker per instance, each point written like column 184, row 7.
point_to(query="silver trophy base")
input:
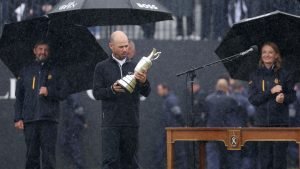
column 128, row 83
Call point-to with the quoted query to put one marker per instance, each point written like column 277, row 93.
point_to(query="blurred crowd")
column 17, row 10
column 217, row 16
column 194, row 19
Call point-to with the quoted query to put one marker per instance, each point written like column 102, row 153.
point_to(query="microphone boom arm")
column 225, row 60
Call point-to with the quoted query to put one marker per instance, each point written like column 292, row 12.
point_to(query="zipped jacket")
column 29, row 105
column 268, row 111
column 118, row 109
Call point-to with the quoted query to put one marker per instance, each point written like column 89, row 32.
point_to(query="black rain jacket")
column 121, row 109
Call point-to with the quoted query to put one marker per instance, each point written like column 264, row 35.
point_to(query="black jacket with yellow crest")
column 268, row 111
column 29, row 105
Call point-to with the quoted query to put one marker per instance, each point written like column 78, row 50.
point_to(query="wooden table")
column 233, row 138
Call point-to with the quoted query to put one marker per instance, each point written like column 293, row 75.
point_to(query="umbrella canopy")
column 279, row 27
column 109, row 12
column 72, row 48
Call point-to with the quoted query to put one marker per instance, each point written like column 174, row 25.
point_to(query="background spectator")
column 131, row 50
column 183, row 8
column 219, row 14
column 222, row 112
column 237, row 10
column 149, row 30
column 206, row 19
column 171, row 117
column 73, row 124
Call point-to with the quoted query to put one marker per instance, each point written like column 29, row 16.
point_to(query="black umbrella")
column 279, row 27
column 73, row 48
column 109, row 12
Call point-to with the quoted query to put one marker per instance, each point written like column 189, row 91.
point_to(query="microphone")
column 253, row 48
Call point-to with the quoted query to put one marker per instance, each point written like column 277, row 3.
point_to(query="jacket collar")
column 111, row 59
column 267, row 71
column 220, row 92
column 120, row 62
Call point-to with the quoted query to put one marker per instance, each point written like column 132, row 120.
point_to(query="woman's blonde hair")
column 278, row 60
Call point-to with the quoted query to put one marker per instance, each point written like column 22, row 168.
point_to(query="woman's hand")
column 276, row 89
column 280, row 98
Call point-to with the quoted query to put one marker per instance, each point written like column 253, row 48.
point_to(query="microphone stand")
column 191, row 74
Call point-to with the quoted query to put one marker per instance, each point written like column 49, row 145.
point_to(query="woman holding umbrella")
column 271, row 91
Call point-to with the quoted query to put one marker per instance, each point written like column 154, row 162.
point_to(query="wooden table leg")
column 170, row 151
column 202, row 155
column 299, row 155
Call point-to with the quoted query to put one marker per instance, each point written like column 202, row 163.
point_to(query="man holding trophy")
column 118, row 82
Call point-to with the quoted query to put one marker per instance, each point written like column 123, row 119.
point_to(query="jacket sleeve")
column 256, row 95
column 100, row 90
column 58, row 89
column 289, row 92
column 145, row 88
column 20, row 92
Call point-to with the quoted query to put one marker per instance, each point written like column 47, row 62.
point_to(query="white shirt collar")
column 120, row 62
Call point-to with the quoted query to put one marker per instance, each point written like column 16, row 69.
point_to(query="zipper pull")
column 33, row 82
column 121, row 71
column 263, row 85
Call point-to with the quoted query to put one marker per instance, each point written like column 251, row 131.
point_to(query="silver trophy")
column 128, row 82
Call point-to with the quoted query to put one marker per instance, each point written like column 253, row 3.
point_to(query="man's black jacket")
column 118, row 109
column 222, row 110
column 29, row 105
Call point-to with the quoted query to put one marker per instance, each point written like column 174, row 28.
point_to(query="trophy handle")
column 154, row 55
column 157, row 54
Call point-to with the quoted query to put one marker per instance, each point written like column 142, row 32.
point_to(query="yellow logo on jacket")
column 49, row 77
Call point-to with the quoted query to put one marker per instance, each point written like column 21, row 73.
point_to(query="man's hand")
column 43, row 91
column 19, row 124
column 280, row 98
column 141, row 77
column 117, row 88
column 276, row 89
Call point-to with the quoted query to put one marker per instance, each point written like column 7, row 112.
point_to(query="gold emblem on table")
column 234, row 138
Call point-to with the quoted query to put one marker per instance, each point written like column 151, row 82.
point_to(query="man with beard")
column 39, row 89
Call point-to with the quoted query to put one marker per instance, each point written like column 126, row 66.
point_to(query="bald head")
column 119, row 44
column 222, row 85
column 118, row 36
